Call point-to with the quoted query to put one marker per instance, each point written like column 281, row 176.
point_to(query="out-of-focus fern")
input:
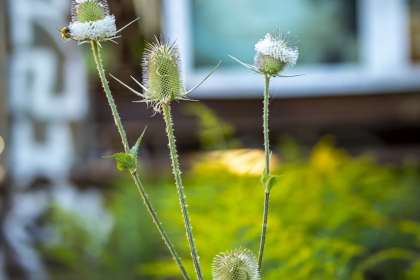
column 79, row 251
column 332, row 216
column 213, row 132
column 329, row 214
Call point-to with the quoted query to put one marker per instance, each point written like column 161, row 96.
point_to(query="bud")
column 239, row 264
column 162, row 74
column 274, row 54
column 91, row 21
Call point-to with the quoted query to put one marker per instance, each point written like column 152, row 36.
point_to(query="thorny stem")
column 177, row 173
column 136, row 179
column 159, row 225
column 266, row 140
column 264, row 229
column 267, row 169
column 111, row 102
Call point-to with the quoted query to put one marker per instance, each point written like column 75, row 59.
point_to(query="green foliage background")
column 331, row 217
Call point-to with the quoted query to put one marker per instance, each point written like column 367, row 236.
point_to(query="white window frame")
column 384, row 65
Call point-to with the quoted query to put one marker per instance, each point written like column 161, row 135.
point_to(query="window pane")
column 326, row 30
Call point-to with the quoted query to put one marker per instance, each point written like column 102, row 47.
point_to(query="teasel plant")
column 163, row 82
column 273, row 55
column 92, row 23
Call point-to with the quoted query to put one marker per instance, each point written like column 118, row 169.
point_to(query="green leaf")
column 263, row 175
column 268, row 180
column 134, row 150
column 124, row 161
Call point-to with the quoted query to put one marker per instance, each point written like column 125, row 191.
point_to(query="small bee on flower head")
column 65, row 33
column 91, row 21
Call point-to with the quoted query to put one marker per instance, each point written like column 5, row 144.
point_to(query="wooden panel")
column 360, row 123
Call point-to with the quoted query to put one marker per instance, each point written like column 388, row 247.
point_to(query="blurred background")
column 346, row 137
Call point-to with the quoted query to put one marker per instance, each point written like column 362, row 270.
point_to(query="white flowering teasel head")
column 91, row 21
column 273, row 55
column 239, row 264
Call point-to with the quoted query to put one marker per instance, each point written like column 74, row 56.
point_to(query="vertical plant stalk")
column 159, row 225
column 266, row 139
column 136, row 179
column 267, row 169
column 177, row 173
column 111, row 102
column 264, row 229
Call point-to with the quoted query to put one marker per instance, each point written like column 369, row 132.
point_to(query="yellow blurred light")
column 242, row 161
column 1, row 144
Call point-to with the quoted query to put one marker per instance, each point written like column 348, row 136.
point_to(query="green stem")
column 159, row 225
column 264, row 229
column 266, row 140
column 267, row 169
column 136, row 179
column 174, row 156
column 111, row 102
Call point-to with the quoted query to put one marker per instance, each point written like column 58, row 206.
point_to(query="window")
column 345, row 46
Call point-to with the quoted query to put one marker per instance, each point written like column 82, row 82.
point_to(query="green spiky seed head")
column 162, row 72
column 90, row 11
column 269, row 65
column 239, row 264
